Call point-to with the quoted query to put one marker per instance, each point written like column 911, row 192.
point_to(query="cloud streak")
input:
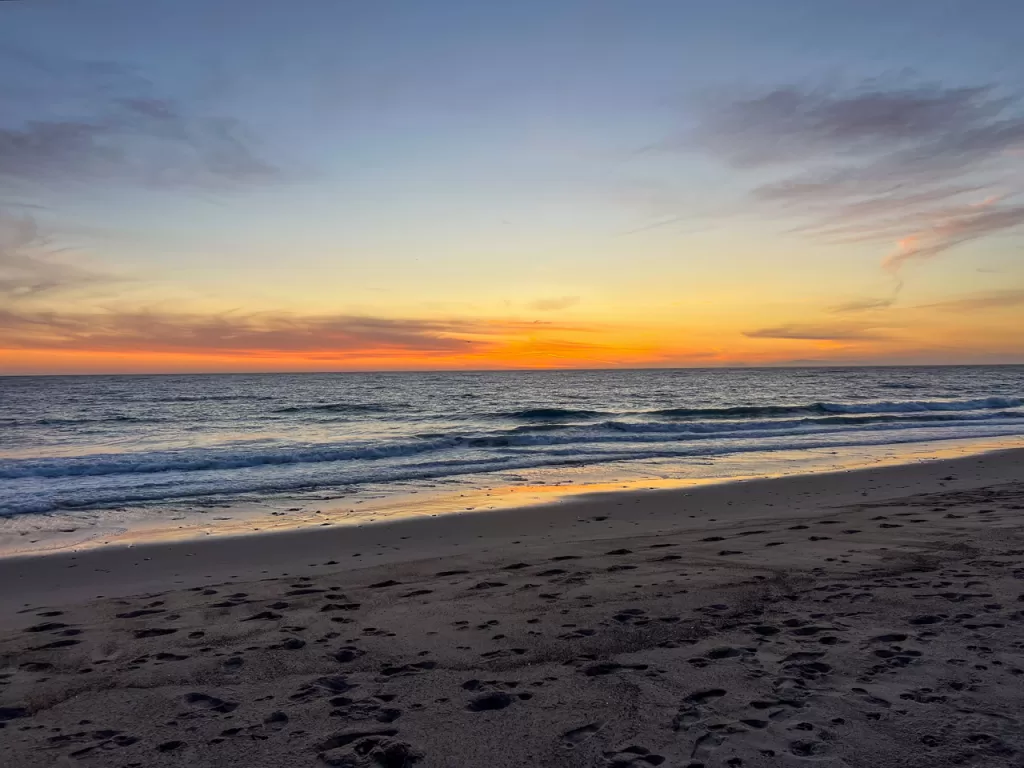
column 868, row 304
column 93, row 121
column 969, row 223
column 554, row 304
column 792, row 124
column 863, row 305
column 264, row 334
column 980, row 302
column 819, row 332
column 30, row 265
column 926, row 166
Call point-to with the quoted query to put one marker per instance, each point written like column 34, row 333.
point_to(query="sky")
column 199, row 186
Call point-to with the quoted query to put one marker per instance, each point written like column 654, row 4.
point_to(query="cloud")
column 925, row 166
column 554, row 304
column 823, row 332
column 969, row 223
column 793, row 123
column 979, row 302
column 259, row 334
column 863, row 305
column 30, row 265
column 90, row 121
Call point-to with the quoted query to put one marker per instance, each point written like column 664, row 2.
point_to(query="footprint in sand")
column 140, row 612
column 354, row 749
column 204, row 701
column 633, row 755
column 607, row 667
column 49, row 626
column 490, row 701
column 581, row 734
column 289, row 644
column 54, row 645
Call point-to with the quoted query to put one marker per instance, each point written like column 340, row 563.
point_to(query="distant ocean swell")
column 210, row 398
column 353, row 408
column 754, row 411
column 54, row 422
column 736, row 412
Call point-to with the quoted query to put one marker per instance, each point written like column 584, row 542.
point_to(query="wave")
column 216, row 486
column 550, row 414
column 213, row 459
column 543, row 427
column 901, row 385
column 78, row 422
column 648, row 431
column 892, row 420
column 209, row 398
column 736, row 411
column 902, row 406
column 912, row 406
column 351, row 408
column 571, row 436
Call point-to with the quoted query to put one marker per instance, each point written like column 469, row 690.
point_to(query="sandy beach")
column 511, row 385
column 861, row 618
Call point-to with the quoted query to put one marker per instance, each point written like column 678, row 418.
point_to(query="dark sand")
column 866, row 618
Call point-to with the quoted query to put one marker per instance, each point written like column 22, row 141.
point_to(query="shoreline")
column 858, row 618
column 119, row 570
column 78, row 531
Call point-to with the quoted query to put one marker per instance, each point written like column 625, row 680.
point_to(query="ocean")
column 139, row 446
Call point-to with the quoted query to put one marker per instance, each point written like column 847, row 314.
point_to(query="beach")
column 511, row 385
column 856, row 618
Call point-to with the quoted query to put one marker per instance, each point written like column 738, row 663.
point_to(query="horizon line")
column 524, row 370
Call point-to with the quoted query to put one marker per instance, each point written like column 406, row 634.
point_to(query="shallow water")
column 128, row 447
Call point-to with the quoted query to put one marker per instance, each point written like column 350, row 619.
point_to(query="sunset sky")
column 227, row 185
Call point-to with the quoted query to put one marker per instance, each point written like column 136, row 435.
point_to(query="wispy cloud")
column 74, row 125
column 970, row 222
column 819, row 332
column 31, row 266
column 554, row 304
column 87, row 121
column 868, row 304
column 793, row 124
column 261, row 334
column 981, row 301
column 925, row 166
column 863, row 305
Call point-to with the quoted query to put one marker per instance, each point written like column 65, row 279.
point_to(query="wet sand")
column 862, row 618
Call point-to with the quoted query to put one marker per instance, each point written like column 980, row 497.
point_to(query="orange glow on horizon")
column 522, row 355
column 531, row 354
column 494, row 344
